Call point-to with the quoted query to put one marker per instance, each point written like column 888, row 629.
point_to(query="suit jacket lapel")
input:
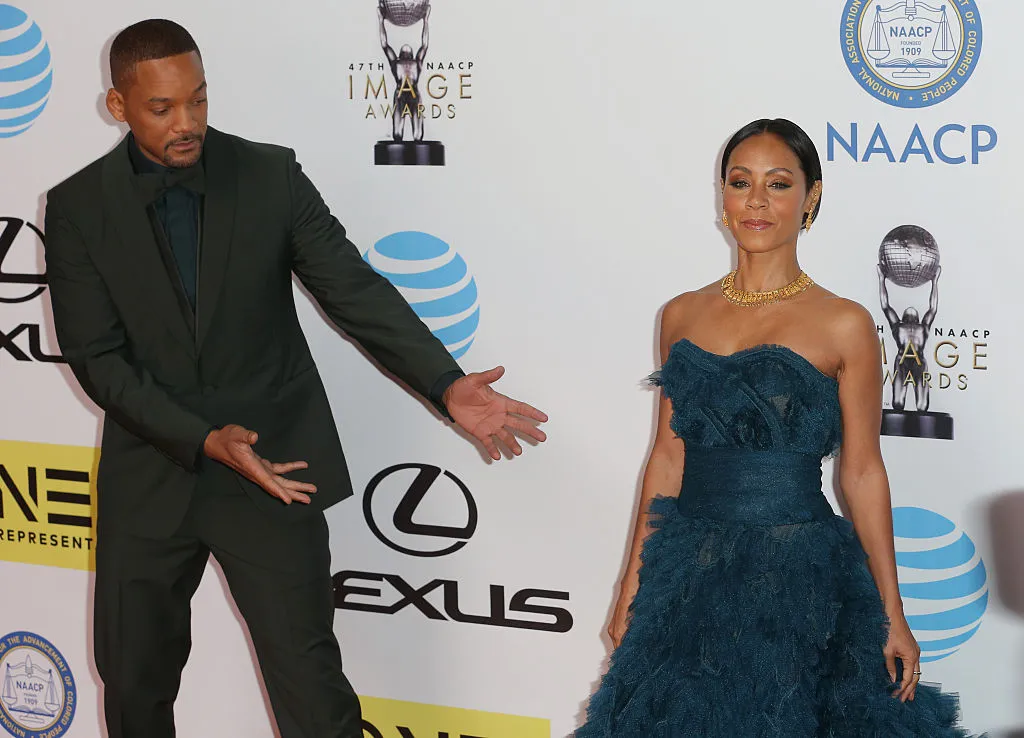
column 140, row 258
column 218, row 226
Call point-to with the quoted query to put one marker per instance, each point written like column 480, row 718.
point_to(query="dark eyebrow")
column 770, row 171
column 200, row 88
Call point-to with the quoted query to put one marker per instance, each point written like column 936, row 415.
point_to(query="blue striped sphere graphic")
column 26, row 74
column 435, row 281
column 942, row 581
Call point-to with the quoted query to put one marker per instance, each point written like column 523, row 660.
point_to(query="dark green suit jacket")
column 164, row 377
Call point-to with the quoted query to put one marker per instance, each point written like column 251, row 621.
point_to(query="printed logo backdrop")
column 39, row 696
column 911, row 54
column 26, row 74
column 577, row 196
column 435, row 280
column 942, row 581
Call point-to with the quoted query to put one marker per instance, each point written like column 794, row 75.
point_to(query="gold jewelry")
column 815, row 194
column 750, row 298
column 725, row 219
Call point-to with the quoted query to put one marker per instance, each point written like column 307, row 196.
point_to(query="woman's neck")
column 766, row 271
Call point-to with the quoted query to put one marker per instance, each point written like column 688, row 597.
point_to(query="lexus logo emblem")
column 420, row 510
column 10, row 229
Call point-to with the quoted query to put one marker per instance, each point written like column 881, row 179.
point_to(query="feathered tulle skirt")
column 742, row 631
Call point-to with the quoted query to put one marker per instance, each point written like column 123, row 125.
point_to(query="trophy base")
column 917, row 425
column 409, row 153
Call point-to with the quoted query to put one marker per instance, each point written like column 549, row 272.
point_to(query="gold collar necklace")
column 750, row 298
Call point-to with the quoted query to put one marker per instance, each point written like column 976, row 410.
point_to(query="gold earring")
column 725, row 219
column 809, row 218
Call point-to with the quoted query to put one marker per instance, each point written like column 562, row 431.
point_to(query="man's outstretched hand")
column 490, row 415
column 232, row 446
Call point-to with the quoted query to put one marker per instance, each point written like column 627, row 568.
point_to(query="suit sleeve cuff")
column 441, row 386
column 200, row 455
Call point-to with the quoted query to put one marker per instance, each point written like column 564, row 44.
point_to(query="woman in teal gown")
column 749, row 609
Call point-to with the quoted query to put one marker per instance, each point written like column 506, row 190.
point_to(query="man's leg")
column 142, row 627
column 279, row 574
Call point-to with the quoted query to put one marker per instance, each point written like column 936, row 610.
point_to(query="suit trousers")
column 279, row 576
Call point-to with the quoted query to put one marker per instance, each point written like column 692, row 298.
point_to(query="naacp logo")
column 26, row 74
column 942, row 578
column 911, row 53
column 399, row 493
column 38, row 698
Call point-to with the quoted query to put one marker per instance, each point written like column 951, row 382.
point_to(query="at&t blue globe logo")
column 26, row 74
column 942, row 581
column 435, row 281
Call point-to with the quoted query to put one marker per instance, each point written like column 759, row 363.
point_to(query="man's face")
column 164, row 104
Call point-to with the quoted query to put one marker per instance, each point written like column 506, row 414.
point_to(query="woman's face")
column 765, row 193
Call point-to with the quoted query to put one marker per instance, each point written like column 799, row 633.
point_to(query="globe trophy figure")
column 909, row 257
column 911, row 334
column 406, row 68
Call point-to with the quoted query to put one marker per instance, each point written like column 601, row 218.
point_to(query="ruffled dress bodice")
column 763, row 398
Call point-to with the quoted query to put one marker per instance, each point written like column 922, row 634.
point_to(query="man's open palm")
column 232, row 446
column 491, row 416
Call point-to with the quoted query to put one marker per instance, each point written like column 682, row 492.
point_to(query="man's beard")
column 178, row 163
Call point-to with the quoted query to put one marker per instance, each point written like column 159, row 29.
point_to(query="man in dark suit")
column 169, row 263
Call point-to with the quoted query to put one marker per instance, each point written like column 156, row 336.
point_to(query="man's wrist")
column 203, row 452
column 440, row 392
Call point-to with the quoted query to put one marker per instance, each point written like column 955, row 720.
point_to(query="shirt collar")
column 141, row 163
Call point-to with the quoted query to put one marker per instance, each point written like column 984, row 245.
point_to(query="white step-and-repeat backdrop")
column 573, row 192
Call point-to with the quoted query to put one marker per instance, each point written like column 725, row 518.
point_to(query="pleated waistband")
column 753, row 487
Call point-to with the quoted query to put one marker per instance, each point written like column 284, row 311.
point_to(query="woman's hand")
column 903, row 646
column 620, row 616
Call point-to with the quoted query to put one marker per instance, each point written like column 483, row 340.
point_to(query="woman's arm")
column 663, row 475
column 864, row 482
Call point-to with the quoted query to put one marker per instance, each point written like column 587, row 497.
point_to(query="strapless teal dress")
column 756, row 615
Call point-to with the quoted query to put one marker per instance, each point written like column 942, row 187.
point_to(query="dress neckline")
column 759, row 348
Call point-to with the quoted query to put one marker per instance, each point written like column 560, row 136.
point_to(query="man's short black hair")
column 146, row 40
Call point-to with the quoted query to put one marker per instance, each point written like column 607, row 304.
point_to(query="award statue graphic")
column 406, row 68
column 909, row 257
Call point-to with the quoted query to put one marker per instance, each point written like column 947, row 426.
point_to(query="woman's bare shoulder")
column 849, row 322
column 685, row 306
